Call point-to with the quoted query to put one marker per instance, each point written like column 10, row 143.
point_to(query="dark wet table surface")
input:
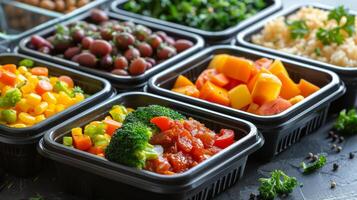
column 315, row 186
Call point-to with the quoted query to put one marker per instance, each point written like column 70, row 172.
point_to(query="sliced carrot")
column 96, row 150
column 8, row 78
column 82, row 142
column 206, row 75
column 220, row 80
column 39, row 71
column 238, row 68
column 189, row 90
column 307, row 88
column 10, row 67
column 112, row 126
column 289, row 89
column 43, row 86
column 215, row 94
column 67, row 80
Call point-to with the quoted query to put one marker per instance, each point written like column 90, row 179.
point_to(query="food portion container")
column 281, row 130
column 347, row 74
column 210, row 37
column 96, row 178
column 18, row 145
column 18, row 20
column 122, row 83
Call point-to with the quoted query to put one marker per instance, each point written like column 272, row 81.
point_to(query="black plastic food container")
column 347, row 74
column 96, row 178
column 210, row 37
column 122, row 83
column 280, row 131
column 18, row 145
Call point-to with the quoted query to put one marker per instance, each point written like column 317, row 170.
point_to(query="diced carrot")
column 218, row 62
column 220, row 80
column 289, row 89
column 96, row 150
column 8, row 78
column 278, row 67
column 182, row 81
column 238, row 68
column 10, row 67
column 67, row 80
column 307, row 88
column 206, row 75
column 215, row 94
column 274, row 107
column 190, row 90
column 253, row 80
column 111, row 126
column 82, row 142
column 39, row 71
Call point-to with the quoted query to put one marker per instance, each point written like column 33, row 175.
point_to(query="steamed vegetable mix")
column 263, row 87
column 120, row 47
column 29, row 95
column 154, row 138
column 210, row 15
column 278, row 184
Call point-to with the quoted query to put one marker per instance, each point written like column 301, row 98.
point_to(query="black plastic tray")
column 347, row 74
column 211, row 37
column 122, row 83
column 280, row 131
column 96, row 178
column 18, row 145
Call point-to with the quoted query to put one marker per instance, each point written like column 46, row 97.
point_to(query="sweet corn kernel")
column 26, row 118
column 77, row 131
column 60, row 107
column 39, row 109
column 64, row 98
column 22, row 70
column 40, row 118
column 78, row 98
column 49, row 98
column 49, row 112
column 53, row 80
column 33, row 99
column 108, row 118
column 27, row 74
column 19, row 125
column 33, row 80
column 22, row 105
column 28, row 88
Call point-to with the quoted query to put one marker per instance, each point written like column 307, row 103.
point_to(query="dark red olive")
column 145, row 49
column 151, row 61
column 148, row 66
column 120, row 62
column 106, row 63
column 78, row 35
column 169, row 40
column 141, row 32
column 87, row 59
column 62, row 43
column 131, row 53
column 38, row 42
column 129, row 24
column 155, row 41
column 75, row 58
column 124, row 40
column 70, row 52
column 118, row 28
column 92, row 27
column 182, row 45
column 87, row 42
column 106, row 34
column 100, row 48
column 120, row 72
column 98, row 16
column 137, row 67
column 165, row 52
column 162, row 35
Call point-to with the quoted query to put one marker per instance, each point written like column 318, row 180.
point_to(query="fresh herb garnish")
column 309, row 168
column 278, row 184
column 346, row 122
column 77, row 90
column 298, row 29
column 336, row 34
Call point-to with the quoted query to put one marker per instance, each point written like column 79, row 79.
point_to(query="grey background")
column 315, row 186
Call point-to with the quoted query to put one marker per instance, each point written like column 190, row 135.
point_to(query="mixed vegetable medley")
column 154, row 138
column 29, row 95
column 263, row 87
column 122, row 48
column 209, row 15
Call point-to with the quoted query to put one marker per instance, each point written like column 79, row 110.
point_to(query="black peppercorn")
column 352, row 155
column 335, row 166
column 341, row 139
column 339, row 149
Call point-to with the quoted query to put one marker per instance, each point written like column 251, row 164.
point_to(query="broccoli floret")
column 130, row 145
column 145, row 114
column 11, row 97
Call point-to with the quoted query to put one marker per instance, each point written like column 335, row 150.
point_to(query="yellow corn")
column 26, row 118
column 27, row 74
column 53, row 80
column 78, row 98
column 39, row 109
column 40, row 118
column 49, row 98
column 77, row 131
column 60, row 107
column 108, row 118
column 51, row 110
column 28, row 88
column 64, row 98
column 22, row 70
column 33, row 99
column 18, row 125
column 22, row 105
